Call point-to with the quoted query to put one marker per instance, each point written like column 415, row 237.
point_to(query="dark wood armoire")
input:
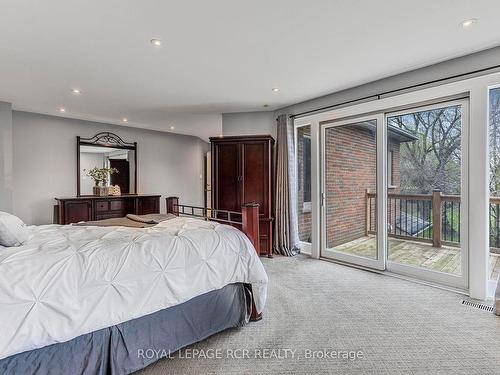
column 242, row 170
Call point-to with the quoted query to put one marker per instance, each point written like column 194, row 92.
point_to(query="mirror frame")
column 104, row 139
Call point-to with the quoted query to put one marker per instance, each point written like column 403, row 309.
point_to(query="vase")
column 100, row 191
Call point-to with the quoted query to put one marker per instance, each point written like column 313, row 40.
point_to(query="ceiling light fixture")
column 266, row 105
column 468, row 23
column 125, row 119
column 62, row 109
column 76, row 91
column 275, row 89
column 172, row 127
column 156, row 42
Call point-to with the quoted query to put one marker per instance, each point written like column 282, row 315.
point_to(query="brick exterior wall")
column 350, row 171
column 304, row 215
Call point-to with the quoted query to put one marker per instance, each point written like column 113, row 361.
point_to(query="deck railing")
column 431, row 218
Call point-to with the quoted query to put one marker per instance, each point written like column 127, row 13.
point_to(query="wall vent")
column 477, row 305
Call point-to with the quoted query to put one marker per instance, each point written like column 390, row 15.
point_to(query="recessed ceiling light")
column 125, row 119
column 62, row 109
column 172, row 127
column 76, row 91
column 156, row 42
column 468, row 23
column 275, row 89
column 266, row 105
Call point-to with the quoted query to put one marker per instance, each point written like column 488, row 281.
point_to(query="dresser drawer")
column 102, row 206
column 117, row 205
column 73, row 210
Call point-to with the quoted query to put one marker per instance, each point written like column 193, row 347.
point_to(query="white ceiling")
column 220, row 55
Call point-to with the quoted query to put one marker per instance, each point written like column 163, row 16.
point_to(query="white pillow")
column 13, row 231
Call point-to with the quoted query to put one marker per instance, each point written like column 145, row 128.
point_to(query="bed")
column 89, row 299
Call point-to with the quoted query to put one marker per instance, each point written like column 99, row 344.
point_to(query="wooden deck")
column 420, row 254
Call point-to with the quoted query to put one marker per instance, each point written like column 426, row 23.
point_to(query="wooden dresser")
column 89, row 208
column 242, row 174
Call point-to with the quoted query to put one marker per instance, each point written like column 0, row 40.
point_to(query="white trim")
column 381, row 178
column 315, row 191
column 390, row 167
column 307, row 207
column 305, row 248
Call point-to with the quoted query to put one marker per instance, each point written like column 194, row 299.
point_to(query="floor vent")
column 478, row 305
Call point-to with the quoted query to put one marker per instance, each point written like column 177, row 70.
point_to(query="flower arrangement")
column 100, row 175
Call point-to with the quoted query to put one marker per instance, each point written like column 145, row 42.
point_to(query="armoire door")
column 255, row 175
column 227, row 177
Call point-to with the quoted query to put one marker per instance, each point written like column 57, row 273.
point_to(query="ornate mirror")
column 106, row 150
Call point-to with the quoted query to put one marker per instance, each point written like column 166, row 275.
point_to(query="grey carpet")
column 401, row 327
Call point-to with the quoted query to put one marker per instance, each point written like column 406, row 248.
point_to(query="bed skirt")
column 123, row 349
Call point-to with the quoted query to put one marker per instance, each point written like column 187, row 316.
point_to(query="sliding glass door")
column 416, row 158
column 350, row 181
column 426, row 193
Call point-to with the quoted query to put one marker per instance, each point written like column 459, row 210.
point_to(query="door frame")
column 381, row 163
column 305, row 247
column 475, row 88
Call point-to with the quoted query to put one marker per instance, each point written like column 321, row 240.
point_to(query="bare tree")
column 433, row 160
column 494, row 144
column 494, row 137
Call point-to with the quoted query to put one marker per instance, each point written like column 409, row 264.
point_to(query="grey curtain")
column 286, row 239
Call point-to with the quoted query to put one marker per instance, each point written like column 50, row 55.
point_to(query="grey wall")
column 44, row 162
column 465, row 64
column 249, row 123
column 5, row 156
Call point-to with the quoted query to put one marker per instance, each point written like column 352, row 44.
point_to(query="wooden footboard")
column 247, row 220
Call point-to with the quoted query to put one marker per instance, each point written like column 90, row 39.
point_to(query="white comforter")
column 70, row 280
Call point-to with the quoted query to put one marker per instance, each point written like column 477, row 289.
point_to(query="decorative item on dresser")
column 90, row 208
column 242, row 173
